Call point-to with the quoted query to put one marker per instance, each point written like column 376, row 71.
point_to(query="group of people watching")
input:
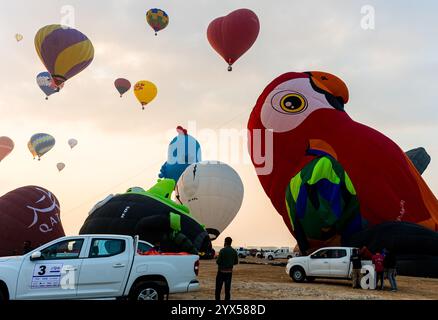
column 384, row 264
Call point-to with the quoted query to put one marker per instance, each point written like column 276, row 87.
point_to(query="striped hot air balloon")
column 42, row 143
column 64, row 51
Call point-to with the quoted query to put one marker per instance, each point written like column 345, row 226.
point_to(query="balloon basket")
column 230, row 68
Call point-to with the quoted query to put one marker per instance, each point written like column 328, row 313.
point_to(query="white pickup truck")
column 283, row 253
column 330, row 262
column 96, row 267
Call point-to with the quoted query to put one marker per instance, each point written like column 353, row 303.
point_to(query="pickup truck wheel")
column 270, row 258
column 148, row 291
column 297, row 274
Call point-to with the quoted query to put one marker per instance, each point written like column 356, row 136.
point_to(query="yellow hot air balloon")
column 18, row 37
column 31, row 149
column 145, row 91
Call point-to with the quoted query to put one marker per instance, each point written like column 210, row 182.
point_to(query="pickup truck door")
column 105, row 269
column 54, row 275
column 339, row 263
column 319, row 263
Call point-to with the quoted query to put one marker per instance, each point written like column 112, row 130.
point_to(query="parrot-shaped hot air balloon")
column 157, row 19
column 214, row 193
column 72, row 143
column 42, row 143
column 46, row 84
column 60, row 166
column 231, row 36
column 145, row 91
column 6, row 147
column 63, row 50
column 28, row 213
column 333, row 180
column 30, row 147
column 152, row 215
column 18, row 37
column 183, row 150
column 122, row 85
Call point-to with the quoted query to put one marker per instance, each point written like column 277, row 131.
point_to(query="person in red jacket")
column 378, row 266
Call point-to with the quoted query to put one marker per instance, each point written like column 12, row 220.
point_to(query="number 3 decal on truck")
column 46, row 275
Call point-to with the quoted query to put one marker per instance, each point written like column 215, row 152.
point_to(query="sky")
column 390, row 71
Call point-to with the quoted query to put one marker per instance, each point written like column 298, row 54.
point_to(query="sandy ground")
column 269, row 282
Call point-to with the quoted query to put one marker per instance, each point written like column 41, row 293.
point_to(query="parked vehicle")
column 282, row 253
column 94, row 267
column 242, row 252
column 331, row 262
column 253, row 252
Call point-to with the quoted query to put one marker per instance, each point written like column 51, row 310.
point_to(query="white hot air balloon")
column 72, row 143
column 213, row 191
column 60, row 166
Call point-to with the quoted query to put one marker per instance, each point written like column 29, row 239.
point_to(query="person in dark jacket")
column 226, row 260
column 357, row 266
column 389, row 264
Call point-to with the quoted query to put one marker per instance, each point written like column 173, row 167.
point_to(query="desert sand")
column 265, row 281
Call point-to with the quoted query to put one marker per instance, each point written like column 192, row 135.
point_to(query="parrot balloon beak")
column 331, row 84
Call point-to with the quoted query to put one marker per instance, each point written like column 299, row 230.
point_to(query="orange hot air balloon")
column 6, row 147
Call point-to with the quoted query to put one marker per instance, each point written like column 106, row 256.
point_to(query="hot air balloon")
column 231, row 36
column 30, row 147
column 122, row 85
column 183, row 150
column 46, row 84
column 28, row 213
column 145, row 91
column 157, row 19
column 336, row 181
column 72, row 143
column 213, row 191
column 60, row 166
column 64, row 51
column 152, row 215
column 6, row 147
column 18, row 37
column 42, row 143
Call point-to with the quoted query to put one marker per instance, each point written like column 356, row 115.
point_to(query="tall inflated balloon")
column 145, row 91
column 6, row 147
column 183, row 150
column 213, row 191
column 122, row 85
column 336, row 181
column 46, row 84
column 72, row 143
column 157, row 19
column 30, row 147
column 231, row 36
column 60, row 166
column 28, row 214
column 42, row 143
column 64, row 51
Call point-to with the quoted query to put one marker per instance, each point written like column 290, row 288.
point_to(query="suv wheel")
column 148, row 291
column 297, row 274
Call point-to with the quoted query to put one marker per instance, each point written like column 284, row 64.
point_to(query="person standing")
column 357, row 266
column 378, row 266
column 226, row 260
column 389, row 264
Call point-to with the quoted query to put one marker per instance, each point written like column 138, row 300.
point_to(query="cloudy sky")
column 391, row 72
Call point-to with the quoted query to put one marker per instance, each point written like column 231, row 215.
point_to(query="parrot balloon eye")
column 293, row 103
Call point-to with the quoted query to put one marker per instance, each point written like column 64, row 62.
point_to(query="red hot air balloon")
column 231, row 36
column 122, row 85
column 28, row 213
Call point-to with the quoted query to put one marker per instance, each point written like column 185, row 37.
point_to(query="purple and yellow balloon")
column 64, row 51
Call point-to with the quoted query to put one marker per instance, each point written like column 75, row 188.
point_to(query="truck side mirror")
column 35, row 256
